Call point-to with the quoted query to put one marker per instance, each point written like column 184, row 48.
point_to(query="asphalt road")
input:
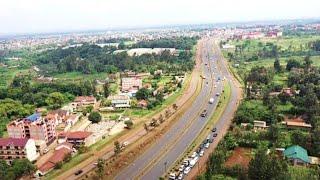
column 157, row 159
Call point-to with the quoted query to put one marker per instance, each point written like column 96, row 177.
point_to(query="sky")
column 34, row 16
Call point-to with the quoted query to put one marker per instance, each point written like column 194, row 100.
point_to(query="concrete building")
column 17, row 148
column 130, row 84
column 34, row 127
column 297, row 155
column 76, row 138
column 120, row 101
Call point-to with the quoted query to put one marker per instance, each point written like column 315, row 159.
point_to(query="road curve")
column 154, row 162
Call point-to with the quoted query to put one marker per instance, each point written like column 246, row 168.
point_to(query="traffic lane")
column 143, row 161
column 187, row 139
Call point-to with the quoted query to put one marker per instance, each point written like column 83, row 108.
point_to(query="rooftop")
column 33, row 117
column 20, row 142
column 297, row 152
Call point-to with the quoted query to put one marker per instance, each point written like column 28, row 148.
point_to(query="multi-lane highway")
column 157, row 159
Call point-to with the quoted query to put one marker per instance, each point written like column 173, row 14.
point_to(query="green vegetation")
column 94, row 117
column 19, row 168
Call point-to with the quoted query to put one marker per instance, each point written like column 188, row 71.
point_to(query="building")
column 297, row 123
column 58, row 115
column 120, row 101
column 58, row 156
column 76, row 138
column 297, row 155
column 130, row 84
column 34, row 127
column 142, row 104
column 83, row 101
column 259, row 125
column 17, row 148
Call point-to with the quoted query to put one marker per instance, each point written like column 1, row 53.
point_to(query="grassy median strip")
column 223, row 102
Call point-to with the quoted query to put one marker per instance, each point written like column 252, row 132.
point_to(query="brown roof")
column 47, row 166
column 59, row 155
column 76, row 135
column 20, row 142
column 84, row 98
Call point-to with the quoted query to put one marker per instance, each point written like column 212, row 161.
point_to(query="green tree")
column 100, row 168
column 95, row 117
column 23, row 167
column 4, row 168
column 292, row 63
column 106, row 90
column 117, row 147
column 276, row 65
column 129, row 124
column 55, row 100
column 143, row 93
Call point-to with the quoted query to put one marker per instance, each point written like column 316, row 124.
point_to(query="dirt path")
column 135, row 134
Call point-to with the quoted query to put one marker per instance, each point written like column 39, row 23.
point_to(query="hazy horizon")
column 45, row 16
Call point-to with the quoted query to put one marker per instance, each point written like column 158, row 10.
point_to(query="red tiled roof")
column 20, row 142
column 59, row 155
column 76, row 135
column 47, row 166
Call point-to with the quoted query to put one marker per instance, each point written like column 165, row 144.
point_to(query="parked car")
column 194, row 154
column 181, row 168
column 172, row 176
column 45, row 151
column 186, row 162
column 204, row 113
column 180, row 176
column 214, row 129
column 217, row 94
column 78, row 172
column 187, row 170
column 214, row 135
column 207, row 145
column 201, row 153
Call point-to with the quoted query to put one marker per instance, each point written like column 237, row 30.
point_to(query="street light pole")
column 165, row 167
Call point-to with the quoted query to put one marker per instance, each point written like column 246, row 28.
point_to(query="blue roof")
column 34, row 117
column 297, row 152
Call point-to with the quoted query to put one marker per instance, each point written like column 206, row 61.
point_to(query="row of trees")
column 19, row 168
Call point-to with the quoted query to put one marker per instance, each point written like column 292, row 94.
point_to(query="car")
column 194, row 154
column 181, row 168
column 45, row 151
column 204, row 113
column 187, row 170
column 180, row 176
column 210, row 140
column 192, row 163
column 217, row 94
column 214, row 130
column 207, row 145
column 205, row 64
column 201, row 153
column 186, row 162
column 172, row 176
column 196, row 159
column 214, row 135
column 78, row 172
column 211, row 100
column 215, row 86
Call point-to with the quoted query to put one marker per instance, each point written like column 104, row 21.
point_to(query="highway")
column 155, row 161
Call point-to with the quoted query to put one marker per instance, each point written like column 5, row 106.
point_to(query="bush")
column 95, row 117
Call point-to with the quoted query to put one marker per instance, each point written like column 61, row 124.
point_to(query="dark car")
column 214, row 135
column 204, row 113
column 214, row 130
column 78, row 172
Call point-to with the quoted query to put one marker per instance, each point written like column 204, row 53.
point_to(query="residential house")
column 58, row 115
column 143, row 103
column 130, row 84
column 259, row 125
column 297, row 155
column 76, row 138
column 17, row 148
column 84, row 101
column 296, row 123
column 120, row 101
column 58, row 156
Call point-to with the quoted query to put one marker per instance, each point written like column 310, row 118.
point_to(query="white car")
column 194, row 154
column 211, row 100
column 187, row 170
column 172, row 176
column 201, row 153
column 196, row 159
column 192, row 162
column 207, row 145
column 180, row 176
column 181, row 168
column 186, row 162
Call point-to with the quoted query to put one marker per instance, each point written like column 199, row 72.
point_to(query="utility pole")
column 165, row 167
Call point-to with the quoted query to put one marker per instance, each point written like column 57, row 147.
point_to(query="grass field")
column 7, row 75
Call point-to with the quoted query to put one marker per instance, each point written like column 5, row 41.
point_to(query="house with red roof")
column 17, row 148
column 76, row 138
